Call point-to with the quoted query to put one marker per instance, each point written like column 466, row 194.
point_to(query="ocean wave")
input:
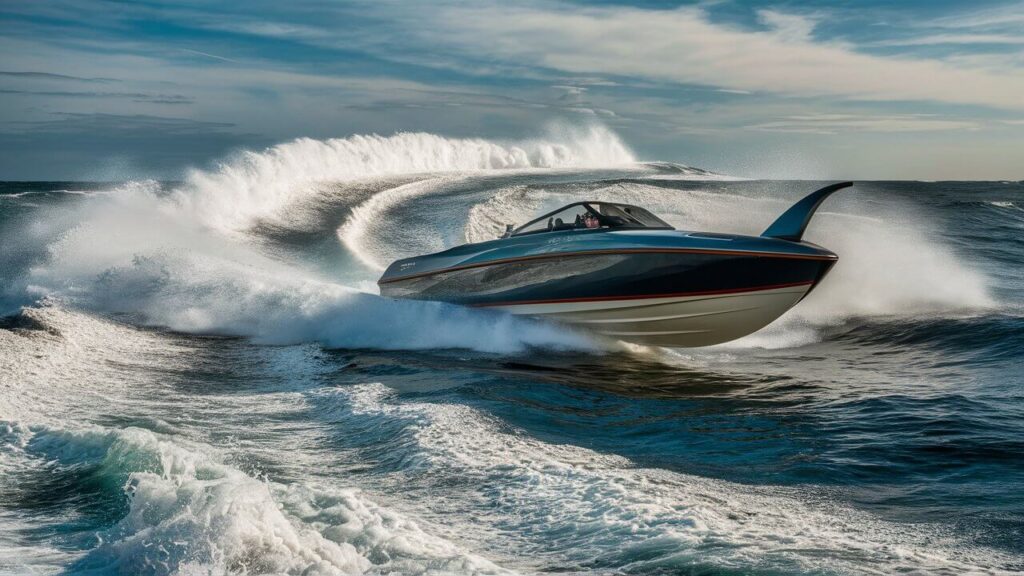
column 356, row 232
column 585, row 510
column 178, row 259
column 983, row 338
column 25, row 193
column 260, row 184
column 675, row 171
column 277, row 305
column 189, row 512
column 1003, row 204
column 184, row 260
column 137, row 252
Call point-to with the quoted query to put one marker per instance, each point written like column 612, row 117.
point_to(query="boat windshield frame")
column 606, row 222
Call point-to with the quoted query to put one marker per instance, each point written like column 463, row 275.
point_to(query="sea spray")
column 259, row 184
column 181, row 259
column 175, row 283
column 890, row 260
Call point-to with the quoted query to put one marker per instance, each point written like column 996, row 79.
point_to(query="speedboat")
column 619, row 270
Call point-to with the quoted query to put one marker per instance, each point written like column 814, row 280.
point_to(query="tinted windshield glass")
column 634, row 214
column 567, row 218
column 592, row 215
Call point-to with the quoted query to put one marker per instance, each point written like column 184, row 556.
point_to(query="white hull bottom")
column 682, row 321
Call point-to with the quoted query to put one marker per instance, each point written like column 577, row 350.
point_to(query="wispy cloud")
column 51, row 76
column 267, row 29
column 1010, row 15
column 208, row 55
column 935, row 39
column 134, row 96
column 684, row 45
column 96, row 123
column 837, row 123
column 712, row 83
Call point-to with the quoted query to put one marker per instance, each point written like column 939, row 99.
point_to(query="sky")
column 868, row 89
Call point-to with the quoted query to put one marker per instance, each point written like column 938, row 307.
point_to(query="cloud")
column 935, row 39
column 715, row 85
column 838, row 123
column 268, row 29
column 52, row 76
column 134, row 96
column 589, row 81
column 685, row 46
column 135, row 124
column 1005, row 16
column 569, row 100
column 571, row 95
column 571, row 89
column 789, row 27
column 208, row 55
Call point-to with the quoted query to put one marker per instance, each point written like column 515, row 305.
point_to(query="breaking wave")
column 606, row 511
column 260, row 184
column 183, row 259
column 192, row 258
column 189, row 512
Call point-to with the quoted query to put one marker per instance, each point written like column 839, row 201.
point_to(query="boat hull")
column 678, row 321
column 663, row 297
column 632, row 277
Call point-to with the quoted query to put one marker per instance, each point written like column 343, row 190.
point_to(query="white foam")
column 166, row 261
column 41, row 368
column 516, row 205
column 679, row 172
column 574, row 507
column 356, row 232
column 260, row 184
column 191, row 513
column 189, row 510
column 246, row 295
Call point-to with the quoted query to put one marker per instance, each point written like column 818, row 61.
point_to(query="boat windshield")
column 593, row 215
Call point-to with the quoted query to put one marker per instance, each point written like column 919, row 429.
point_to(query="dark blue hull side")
column 610, row 275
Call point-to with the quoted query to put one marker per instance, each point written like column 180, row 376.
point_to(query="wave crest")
column 258, row 184
column 190, row 512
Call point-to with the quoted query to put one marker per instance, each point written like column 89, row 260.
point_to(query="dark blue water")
column 181, row 395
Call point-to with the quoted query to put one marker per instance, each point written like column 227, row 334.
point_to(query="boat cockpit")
column 590, row 216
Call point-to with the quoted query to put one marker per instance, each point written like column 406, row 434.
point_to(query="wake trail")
column 260, row 184
column 184, row 259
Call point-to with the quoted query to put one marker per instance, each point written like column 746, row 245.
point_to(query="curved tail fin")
column 793, row 222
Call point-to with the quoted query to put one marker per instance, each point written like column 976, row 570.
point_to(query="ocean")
column 199, row 377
